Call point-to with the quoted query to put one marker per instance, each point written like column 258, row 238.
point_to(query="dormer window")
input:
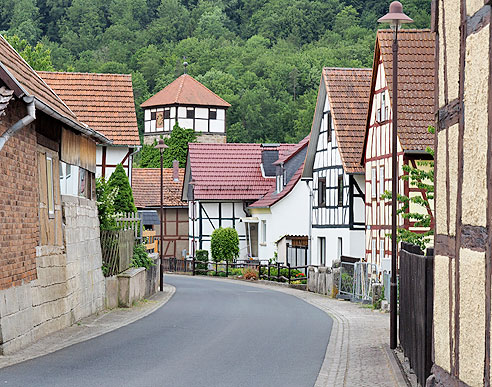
column 212, row 115
column 281, row 178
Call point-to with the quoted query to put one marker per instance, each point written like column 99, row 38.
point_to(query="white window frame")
column 263, row 231
column 381, row 180
column 381, row 249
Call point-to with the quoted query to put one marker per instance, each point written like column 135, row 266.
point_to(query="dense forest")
column 263, row 56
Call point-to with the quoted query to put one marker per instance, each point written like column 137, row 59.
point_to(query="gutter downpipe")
column 22, row 123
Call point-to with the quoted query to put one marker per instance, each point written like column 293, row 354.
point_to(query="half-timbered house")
column 147, row 196
column 221, row 181
column 103, row 102
column 284, row 210
column 415, row 115
column 191, row 105
column 333, row 165
column 50, row 266
column 462, row 318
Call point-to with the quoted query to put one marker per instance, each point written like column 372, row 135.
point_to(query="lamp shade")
column 160, row 145
column 395, row 16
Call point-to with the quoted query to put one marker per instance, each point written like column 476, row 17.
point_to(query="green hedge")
column 202, row 256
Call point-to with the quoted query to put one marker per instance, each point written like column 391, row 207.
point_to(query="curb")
column 89, row 328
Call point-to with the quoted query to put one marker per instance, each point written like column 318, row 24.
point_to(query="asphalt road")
column 210, row 333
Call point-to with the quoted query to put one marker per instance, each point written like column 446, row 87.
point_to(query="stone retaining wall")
column 69, row 285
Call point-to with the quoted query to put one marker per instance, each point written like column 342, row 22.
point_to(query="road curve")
column 211, row 333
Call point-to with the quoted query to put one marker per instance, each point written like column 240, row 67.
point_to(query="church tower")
column 189, row 103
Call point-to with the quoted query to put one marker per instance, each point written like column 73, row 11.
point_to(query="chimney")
column 176, row 170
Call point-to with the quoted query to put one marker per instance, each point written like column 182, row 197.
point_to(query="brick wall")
column 19, row 224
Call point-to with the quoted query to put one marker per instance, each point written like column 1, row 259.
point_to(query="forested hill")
column 263, row 56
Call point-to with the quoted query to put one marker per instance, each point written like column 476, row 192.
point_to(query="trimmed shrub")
column 224, row 245
column 201, row 256
column 123, row 201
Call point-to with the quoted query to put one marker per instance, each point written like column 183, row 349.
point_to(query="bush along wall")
column 201, row 256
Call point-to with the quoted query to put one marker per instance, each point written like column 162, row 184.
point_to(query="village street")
column 224, row 333
column 209, row 334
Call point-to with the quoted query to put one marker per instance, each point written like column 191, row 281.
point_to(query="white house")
column 415, row 114
column 284, row 210
column 333, row 165
column 190, row 104
column 103, row 102
column 221, row 181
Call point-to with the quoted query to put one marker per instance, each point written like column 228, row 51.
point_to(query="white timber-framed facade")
column 332, row 166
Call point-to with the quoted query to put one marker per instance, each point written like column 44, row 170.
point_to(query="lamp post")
column 396, row 18
column 161, row 146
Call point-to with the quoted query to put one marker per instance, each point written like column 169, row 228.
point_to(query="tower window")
column 212, row 115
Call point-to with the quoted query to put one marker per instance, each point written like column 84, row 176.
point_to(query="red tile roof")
column 416, row 63
column 103, row 101
column 185, row 91
column 304, row 142
column 272, row 197
column 348, row 93
column 30, row 81
column 146, row 187
column 230, row 171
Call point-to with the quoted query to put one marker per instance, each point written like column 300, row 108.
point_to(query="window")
column 373, row 251
column 328, row 126
column 381, row 181
column 83, row 183
column 321, row 191
column 280, row 183
column 49, row 181
column 340, row 246
column 383, row 107
column 378, row 115
column 167, row 113
column 212, row 115
column 152, row 115
column 373, row 183
column 263, row 231
column 340, row 190
column 190, row 113
column 284, row 175
column 322, row 250
column 381, row 248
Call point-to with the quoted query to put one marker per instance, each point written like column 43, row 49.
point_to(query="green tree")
column 38, row 57
column 224, row 245
column 177, row 142
column 105, row 204
column 123, row 201
column 421, row 177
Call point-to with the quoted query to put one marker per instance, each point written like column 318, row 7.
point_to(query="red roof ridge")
column 206, row 88
column 84, row 73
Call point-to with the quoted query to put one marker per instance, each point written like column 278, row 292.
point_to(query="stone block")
column 377, row 290
column 321, row 286
column 131, row 286
column 311, row 281
column 111, row 300
column 336, row 281
column 329, row 281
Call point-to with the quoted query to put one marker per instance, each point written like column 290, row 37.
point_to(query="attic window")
column 190, row 113
column 212, row 115
column 321, row 191
column 340, row 190
column 328, row 126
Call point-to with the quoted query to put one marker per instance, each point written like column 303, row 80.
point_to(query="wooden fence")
column 130, row 221
column 117, row 250
column 416, row 308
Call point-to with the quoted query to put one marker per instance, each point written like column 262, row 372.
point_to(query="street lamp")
column 161, row 146
column 396, row 18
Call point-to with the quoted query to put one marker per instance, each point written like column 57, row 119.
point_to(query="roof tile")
column 185, row 90
column 102, row 101
column 146, row 187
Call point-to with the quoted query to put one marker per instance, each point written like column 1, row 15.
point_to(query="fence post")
column 268, row 274
column 287, row 252
column 193, row 265
column 288, row 267
column 227, row 268
column 278, row 271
